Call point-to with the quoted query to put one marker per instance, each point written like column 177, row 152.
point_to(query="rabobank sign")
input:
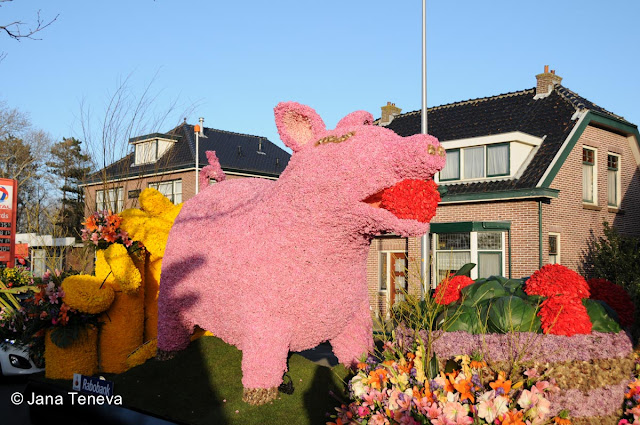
column 6, row 197
column 92, row 385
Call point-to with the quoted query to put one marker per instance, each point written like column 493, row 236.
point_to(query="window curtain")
column 450, row 262
column 497, row 160
column 612, row 187
column 474, row 163
column 451, row 170
column 100, row 200
column 587, row 182
column 177, row 192
column 489, row 264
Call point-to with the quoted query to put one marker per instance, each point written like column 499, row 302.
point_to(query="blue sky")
column 236, row 60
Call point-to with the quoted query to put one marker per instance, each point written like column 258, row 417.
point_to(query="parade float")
column 272, row 267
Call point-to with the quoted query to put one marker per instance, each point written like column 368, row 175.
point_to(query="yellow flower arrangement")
column 152, row 223
column 157, row 205
column 123, row 324
column 123, row 268
column 87, row 294
column 142, row 353
column 151, row 290
column 80, row 357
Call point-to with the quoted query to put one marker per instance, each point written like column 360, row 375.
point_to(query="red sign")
column 8, row 209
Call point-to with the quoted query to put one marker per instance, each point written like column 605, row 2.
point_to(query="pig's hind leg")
column 356, row 338
column 174, row 331
column 264, row 362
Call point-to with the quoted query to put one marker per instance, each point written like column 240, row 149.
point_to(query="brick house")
column 166, row 161
column 530, row 178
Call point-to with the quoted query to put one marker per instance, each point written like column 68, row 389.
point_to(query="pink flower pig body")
column 279, row 266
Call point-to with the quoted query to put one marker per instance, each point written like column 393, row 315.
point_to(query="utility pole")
column 424, row 240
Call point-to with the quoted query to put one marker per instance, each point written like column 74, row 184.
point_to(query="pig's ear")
column 356, row 118
column 298, row 124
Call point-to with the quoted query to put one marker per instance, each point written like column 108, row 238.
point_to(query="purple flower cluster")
column 538, row 347
column 602, row 401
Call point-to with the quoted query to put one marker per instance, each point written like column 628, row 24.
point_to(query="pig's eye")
column 335, row 139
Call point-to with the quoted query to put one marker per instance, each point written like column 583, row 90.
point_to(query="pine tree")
column 72, row 167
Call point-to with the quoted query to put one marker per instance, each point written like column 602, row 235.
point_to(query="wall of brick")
column 577, row 223
column 141, row 183
column 523, row 216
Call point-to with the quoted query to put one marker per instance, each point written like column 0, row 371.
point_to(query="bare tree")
column 127, row 113
column 19, row 30
column 23, row 153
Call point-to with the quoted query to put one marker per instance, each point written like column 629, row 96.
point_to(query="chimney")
column 546, row 81
column 201, row 127
column 388, row 113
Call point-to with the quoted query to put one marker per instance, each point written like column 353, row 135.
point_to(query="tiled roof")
column 237, row 152
column 548, row 117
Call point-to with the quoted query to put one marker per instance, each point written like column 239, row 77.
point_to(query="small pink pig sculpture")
column 279, row 266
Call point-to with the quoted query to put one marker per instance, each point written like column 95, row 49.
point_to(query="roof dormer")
column 496, row 157
column 149, row 148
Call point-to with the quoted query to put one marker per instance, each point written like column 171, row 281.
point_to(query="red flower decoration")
column 448, row 291
column 555, row 279
column 616, row 297
column 412, row 199
column 564, row 315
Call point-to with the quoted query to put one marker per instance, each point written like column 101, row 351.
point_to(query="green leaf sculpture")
column 481, row 292
column 601, row 320
column 513, row 314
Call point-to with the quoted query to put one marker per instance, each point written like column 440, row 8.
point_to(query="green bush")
column 615, row 257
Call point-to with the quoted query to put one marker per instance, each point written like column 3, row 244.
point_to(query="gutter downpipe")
column 424, row 240
column 539, row 235
column 509, row 238
column 197, row 159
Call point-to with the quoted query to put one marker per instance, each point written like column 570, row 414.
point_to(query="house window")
column 554, row 248
column 613, row 180
column 498, row 160
column 489, row 254
column 146, row 152
column 477, row 162
column 473, row 162
column 111, row 200
column 588, row 175
column 171, row 189
column 451, row 170
column 453, row 250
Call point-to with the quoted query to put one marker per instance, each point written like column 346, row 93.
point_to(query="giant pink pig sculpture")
column 279, row 266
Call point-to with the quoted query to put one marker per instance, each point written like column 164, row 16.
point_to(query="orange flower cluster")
column 104, row 226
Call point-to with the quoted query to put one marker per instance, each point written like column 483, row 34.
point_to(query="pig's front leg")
column 264, row 361
column 356, row 338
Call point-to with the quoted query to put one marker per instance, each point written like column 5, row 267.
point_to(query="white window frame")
column 559, row 248
column 594, row 177
column 461, row 163
column 115, row 194
column 153, row 149
column 473, row 248
column 618, row 181
column 156, row 185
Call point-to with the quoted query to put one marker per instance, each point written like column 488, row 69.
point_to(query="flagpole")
column 425, row 240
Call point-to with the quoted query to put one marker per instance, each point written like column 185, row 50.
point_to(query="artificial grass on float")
column 202, row 385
